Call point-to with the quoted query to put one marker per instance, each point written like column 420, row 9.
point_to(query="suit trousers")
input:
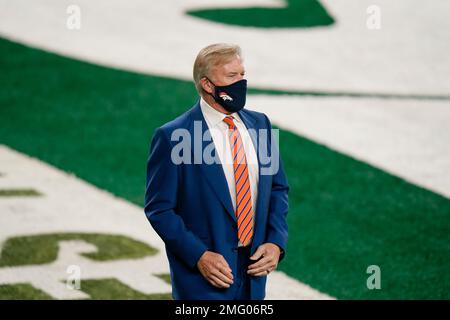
column 242, row 279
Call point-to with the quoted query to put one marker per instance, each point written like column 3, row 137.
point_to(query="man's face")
column 226, row 74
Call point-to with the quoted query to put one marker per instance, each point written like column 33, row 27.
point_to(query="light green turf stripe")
column 97, row 289
column 113, row 289
column 22, row 291
column 19, row 193
column 345, row 215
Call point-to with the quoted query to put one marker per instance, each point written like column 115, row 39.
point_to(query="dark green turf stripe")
column 345, row 215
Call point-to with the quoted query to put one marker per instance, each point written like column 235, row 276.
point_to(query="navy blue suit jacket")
column 190, row 207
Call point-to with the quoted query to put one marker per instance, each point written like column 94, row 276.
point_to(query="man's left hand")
column 270, row 253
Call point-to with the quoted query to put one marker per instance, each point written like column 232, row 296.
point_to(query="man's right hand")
column 215, row 269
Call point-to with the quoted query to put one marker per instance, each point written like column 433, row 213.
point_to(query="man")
column 223, row 222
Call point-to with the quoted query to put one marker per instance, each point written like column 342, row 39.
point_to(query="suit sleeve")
column 277, row 229
column 160, row 203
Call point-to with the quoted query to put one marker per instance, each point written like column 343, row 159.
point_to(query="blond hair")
column 211, row 56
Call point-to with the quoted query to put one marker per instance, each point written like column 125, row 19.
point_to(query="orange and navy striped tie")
column 244, row 210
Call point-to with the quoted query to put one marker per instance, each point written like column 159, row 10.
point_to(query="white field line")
column 407, row 138
column 69, row 204
column 408, row 55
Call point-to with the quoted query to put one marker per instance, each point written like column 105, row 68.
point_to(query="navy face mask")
column 231, row 97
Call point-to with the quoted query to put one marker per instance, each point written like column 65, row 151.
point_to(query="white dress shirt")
column 219, row 133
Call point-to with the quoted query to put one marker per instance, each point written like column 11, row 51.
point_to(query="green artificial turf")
column 165, row 277
column 22, row 291
column 344, row 214
column 295, row 14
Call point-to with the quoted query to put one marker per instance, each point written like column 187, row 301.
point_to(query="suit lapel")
column 213, row 173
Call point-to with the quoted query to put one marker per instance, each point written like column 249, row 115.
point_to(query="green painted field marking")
column 296, row 14
column 19, row 193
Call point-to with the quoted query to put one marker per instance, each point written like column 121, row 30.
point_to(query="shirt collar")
column 213, row 116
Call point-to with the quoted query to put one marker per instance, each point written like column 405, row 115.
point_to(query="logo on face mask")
column 225, row 97
column 231, row 97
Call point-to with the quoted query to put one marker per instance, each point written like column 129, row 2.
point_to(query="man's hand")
column 270, row 253
column 215, row 269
